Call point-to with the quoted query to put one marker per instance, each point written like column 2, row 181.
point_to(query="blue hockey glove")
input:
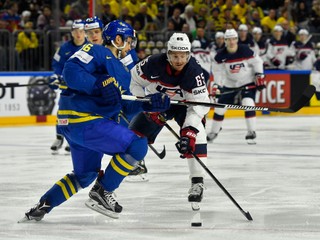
column 54, row 81
column 108, row 88
column 159, row 102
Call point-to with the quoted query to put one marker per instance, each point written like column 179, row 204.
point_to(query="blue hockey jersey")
column 80, row 104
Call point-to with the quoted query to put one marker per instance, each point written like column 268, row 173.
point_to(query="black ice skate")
column 57, row 144
column 67, row 148
column 196, row 192
column 138, row 174
column 103, row 202
column 250, row 137
column 36, row 213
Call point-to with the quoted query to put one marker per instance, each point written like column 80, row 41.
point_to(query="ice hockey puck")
column 196, row 224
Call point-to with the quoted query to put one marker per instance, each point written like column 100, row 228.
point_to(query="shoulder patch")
column 82, row 56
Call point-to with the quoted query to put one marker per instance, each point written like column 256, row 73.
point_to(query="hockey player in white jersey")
column 277, row 49
column 237, row 66
column 203, row 57
column 303, row 51
column 178, row 75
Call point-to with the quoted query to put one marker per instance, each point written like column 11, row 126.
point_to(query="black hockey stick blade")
column 248, row 216
column 302, row 101
column 160, row 155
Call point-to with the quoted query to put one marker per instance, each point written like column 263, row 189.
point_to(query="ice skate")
column 67, row 149
column 36, row 213
column 250, row 137
column 57, row 144
column 138, row 174
column 196, row 193
column 211, row 136
column 103, row 202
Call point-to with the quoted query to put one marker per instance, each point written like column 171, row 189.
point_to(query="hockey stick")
column 246, row 214
column 302, row 101
column 160, row 155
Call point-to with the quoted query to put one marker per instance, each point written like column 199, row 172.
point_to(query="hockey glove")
column 188, row 139
column 159, row 102
column 303, row 56
column 54, row 81
column 108, row 88
column 260, row 81
column 215, row 90
column 276, row 62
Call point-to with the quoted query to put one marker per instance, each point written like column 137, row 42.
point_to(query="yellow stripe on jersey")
column 64, row 189
column 118, row 160
column 72, row 188
column 123, row 162
column 83, row 119
column 73, row 113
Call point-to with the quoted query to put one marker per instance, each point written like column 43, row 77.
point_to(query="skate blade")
column 251, row 141
column 98, row 208
column 195, row 206
column 137, row 178
column 25, row 219
column 55, row 152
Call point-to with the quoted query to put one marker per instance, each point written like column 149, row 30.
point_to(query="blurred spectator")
column 27, row 46
column 303, row 51
column 25, row 17
column 79, row 10
column 160, row 20
column 11, row 16
column 277, row 49
column 285, row 16
column 288, row 33
column 43, row 21
column 314, row 22
column 216, row 20
column 106, row 14
column 200, row 35
column 143, row 17
column 255, row 19
column 301, row 14
column 241, row 9
column 177, row 20
column 228, row 18
column 133, row 6
column 254, row 6
column 115, row 7
column 269, row 22
column 188, row 16
column 181, row 4
column 152, row 9
column 168, row 7
column 186, row 29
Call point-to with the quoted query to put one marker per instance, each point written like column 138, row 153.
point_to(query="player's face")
column 94, row 35
column 78, row 36
column 232, row 44
column 127, row 47
column 303, row 37
column 178, row 59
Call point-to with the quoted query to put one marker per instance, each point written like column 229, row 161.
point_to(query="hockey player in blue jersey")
column 93, row 28
column 88, row 118
column 58, row 61
column 237, row 66
column 178, row 75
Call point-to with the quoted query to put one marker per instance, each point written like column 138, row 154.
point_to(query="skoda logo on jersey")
column 235, row 68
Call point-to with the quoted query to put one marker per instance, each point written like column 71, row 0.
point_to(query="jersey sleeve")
column 256, row 62
column 58, row 61
column 138, row 78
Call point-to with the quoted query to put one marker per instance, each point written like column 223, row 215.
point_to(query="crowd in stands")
column 156, row 20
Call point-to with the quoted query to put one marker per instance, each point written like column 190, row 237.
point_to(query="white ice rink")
column 277, row 181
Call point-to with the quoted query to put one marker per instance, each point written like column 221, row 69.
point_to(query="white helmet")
column 179, row 42
column 196, row 44
column 230, row 33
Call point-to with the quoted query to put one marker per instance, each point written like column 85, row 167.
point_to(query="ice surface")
column 277, row 181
